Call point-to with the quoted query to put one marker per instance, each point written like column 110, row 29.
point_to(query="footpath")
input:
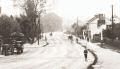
column 107, row 58
column 91, row 66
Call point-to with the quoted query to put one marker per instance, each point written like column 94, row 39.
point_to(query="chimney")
column 101, row 17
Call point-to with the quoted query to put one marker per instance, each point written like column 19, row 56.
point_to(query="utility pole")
column 112, row 24
column 77, row 27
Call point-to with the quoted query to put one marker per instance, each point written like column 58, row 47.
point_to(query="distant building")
column 97, row 24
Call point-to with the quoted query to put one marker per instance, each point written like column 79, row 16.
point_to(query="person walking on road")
column 45, row 38
column 51, row 34
column 76, row 40
column 85, row 54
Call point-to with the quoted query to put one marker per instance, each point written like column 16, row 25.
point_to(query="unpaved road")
column 59, row 54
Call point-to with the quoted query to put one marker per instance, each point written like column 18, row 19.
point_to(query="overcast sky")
column 8, row 7
column 86, row 8
column 71, row 9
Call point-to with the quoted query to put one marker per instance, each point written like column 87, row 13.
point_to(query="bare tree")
column 33, row 10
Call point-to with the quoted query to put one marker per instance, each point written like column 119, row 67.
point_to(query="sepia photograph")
column 59, row 34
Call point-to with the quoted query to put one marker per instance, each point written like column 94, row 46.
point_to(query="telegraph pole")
column 77, row 27
column 112, row 24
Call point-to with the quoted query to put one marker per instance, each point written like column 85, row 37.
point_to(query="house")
column 96, row 24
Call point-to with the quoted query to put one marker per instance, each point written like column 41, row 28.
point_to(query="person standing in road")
column 85, row 54
column 76, row 40
column 51, row 34
column 45, row 38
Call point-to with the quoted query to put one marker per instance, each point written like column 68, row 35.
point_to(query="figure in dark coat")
column 85, row 54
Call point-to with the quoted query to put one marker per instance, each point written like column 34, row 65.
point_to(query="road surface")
column 59, row 54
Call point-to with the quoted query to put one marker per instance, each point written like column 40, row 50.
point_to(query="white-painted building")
column 96, row 28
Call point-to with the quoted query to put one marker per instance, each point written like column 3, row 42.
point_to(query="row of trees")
column 33, row 10
column 31, row 23
column 11, row 24
column 8, row 25
column 28, row 23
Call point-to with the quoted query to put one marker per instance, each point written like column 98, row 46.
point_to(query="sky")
column 69, row 10
column 85, row 9
column 8, row 8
